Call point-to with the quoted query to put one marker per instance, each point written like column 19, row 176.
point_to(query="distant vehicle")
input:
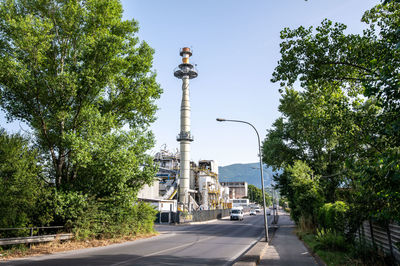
column 237, row 214
column 257, row 210
column 253, row 212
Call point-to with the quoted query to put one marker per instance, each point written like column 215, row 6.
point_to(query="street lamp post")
column 261, row 170
column 271, row 190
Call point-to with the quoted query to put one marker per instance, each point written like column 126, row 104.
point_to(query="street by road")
column 219, row 242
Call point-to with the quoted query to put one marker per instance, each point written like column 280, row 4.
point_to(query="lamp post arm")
column 261, row 170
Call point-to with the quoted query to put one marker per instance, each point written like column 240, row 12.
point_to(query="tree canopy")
column 255, row 195
column 78, row 75
column 75, row 72
column 344, row 123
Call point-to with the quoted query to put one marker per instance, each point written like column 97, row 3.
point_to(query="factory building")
column 237, row 190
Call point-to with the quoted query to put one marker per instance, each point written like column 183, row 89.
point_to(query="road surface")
column 216, row 243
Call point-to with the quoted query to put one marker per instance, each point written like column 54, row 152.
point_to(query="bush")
column 306, row 194
column 330, row 240
column 333, row 216
column 305, row 224
column 109, row 217
column 22, row 190
column 365, row 254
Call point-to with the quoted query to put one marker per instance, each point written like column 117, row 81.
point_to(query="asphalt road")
column 216, row 243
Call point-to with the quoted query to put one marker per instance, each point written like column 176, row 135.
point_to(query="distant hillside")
column 249, row 173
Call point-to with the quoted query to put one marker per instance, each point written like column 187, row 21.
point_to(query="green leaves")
column 306, row 195
column 21, row 186
column 77, row 74
column 344, row 124
column 255, row 195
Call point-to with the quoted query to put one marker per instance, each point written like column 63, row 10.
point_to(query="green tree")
column 322, row 127
column 75, row 72
column 367, row 64
column 254, row 194
column 23, row 191
column 306, row 197
column 78, row 75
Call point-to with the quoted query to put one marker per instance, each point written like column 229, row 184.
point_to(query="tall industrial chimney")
column 185, row 71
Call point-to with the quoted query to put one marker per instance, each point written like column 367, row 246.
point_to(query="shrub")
column 305, row 224
column 22, row 190
column 104, row 217
column 365, row 254
column 333, row 216
column 306, row 196
column 330, row 240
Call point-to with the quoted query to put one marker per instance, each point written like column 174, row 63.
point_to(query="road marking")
column 243, row 251
column 161, row 251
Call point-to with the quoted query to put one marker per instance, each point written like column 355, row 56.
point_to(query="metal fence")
column 384, row 238
column 28, row 235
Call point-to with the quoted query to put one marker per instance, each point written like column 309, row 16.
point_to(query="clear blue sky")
column 236, row 48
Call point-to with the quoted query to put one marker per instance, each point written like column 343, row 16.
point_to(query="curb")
column 255, row 253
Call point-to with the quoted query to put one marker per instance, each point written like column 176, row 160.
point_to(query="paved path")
column 217, row 243
column 285, row 248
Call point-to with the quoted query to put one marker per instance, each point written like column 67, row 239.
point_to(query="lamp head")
column 221, row 119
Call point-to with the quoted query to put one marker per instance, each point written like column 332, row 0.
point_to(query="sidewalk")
column 285, row 247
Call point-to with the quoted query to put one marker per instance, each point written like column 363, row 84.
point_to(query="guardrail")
column 34, row 239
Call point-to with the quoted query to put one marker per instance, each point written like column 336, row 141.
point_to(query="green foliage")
column 330, row 240
column 307, row 197
column 363, row 253
column 330, row 257
column 70, row 207
column 22, row 190
column 283, row 202
column 78, row 75
column 75, row 72
column 334, row 216
column 344, row 123
column 108, row 217
column 254, row 194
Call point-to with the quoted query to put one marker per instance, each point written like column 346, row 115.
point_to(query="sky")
column 236, row 48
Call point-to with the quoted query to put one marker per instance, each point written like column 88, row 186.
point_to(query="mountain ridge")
column 248, row 172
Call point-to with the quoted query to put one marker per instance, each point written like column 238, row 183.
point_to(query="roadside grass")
column 330, row 257
column 348, row 255
column 22, row 250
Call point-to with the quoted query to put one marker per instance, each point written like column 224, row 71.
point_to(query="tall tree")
column 75, row 72
column 367, row 64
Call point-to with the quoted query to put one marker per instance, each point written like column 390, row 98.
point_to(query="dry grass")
column 306, row 225
column 57, row 246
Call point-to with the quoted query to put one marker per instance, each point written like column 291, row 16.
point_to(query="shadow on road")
column 121, row 260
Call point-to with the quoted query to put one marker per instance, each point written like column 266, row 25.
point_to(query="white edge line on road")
column 243, row 251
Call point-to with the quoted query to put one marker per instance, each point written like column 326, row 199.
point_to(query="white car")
column 236, row 214
column 253, row 212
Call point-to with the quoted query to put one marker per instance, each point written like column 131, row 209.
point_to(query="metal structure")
column 261, row 170
column 185, row 71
